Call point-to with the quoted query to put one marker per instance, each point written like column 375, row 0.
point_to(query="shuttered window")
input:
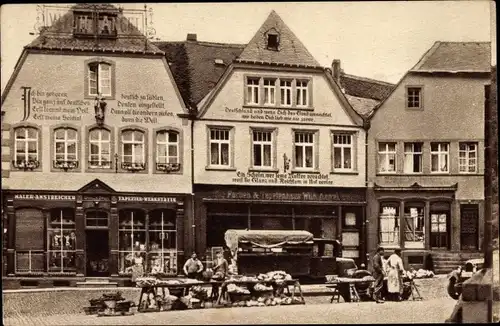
column 29, row 240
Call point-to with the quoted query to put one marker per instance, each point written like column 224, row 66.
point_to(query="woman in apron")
column 394, row 279
column 138, row 267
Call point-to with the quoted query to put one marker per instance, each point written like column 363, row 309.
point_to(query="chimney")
column 191, row 37
column 336, row 70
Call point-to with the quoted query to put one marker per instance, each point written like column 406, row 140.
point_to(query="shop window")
column 132, row 239
column 262, row 144
column 221, row 218
column 162, row 242
column 62, row 240
column 304, row 147
column 413, row 158
column 467, row 157
column 271, row 217
column 29, row 241
column 342, row 152
column 96, row 218
column 252, row 90
column 302, row 93
column 414, row 225
column 269, row 91
column 387, row 157
column 65, row 148
column 389, row 224
column 100, row 149
column 440, row 158
column 99, row 79
column 133, row 150
column 414, row 97
column 26, row 148
column 286, row 92
column 440, row 217
column 220, row 146
column 167, row 151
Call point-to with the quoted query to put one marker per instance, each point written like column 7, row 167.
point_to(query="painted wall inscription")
column 136, row 108
column 282, row 178
column 286, row 115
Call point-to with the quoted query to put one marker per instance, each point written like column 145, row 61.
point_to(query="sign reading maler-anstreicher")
column 44, row 197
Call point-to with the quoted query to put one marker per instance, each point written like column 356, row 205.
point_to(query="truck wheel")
column 451, row 289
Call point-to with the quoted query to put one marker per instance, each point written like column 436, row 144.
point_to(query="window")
column 439, row 157
column 387, row 157
column 269, row 92
column 262, row 149
column 100, row 146
column 219, row 147
column 273, row 41
column 26, row 147
column 414, row 100
column 467, row 157
column 286, row 92
column 413, row 158
column 389, row 224
column 304, row 150
column 96, row 218
column 162, row 242
column 132, row 239
column 30, row 240
column 62, row 240
column 414, row 224
column 302, row 93
column 83, row 24
column 167, row 150
column 133, row 150
column 99, row 78
column 106, row 25
column 440, row 215
column 342, row 152
column 469, row 226
column 66, row 148
column 253, row 90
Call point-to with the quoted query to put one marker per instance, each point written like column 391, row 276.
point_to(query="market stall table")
column 346, row 287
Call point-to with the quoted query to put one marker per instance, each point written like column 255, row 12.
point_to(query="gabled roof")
column 59, row 36
column 456, row 57
column 291, row 51
column 365, row 87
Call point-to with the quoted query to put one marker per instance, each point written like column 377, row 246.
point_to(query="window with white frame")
column 389, row 224
column 100, row 147
column 269, row 91
column 262, row 148
column 167, row 147
column 220, row 147
column 414, row 228
column 414, row 97
column 304, row 149
column 413, row 158
column 342, row 151
column 387, row 157
column 286, row 92
column 99, row 78
column 65, row 144
column 302, row 94
column 252, row 90
column 26, row 145
column 133, row 149
column 467, row 157
column 440, row 157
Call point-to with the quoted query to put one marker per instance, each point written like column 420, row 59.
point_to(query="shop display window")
column 414, row 228
column 162, row 257
column 62, row 240
column 132, row 239
column 389, row 224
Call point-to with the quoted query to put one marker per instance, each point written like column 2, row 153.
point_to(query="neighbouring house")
column 426, row 158
column 96, row 163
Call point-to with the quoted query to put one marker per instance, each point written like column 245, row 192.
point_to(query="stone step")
column 88, row 284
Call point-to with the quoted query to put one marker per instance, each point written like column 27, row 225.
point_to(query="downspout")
column 366, row 126
column 192, row 117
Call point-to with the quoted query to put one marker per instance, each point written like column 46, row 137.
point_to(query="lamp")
column 100, row 109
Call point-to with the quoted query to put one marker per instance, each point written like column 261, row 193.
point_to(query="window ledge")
column 344, row 172
column 387, row 173
column 254, row 169
column 306, row 171
column 277, row 107
column 220, row 168
column 414, row 109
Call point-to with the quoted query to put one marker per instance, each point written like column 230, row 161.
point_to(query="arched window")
column 100, row 149
column 65, row 148
column 389, row 223
column 26, row 142
column 167, row 150
column 99, row 78
column 133, row 150
column 414, row 224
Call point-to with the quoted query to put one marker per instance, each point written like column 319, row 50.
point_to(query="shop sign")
column 304, row 196
column 96, row 198
column 282, row 178
column 149, row 199
column 44, row 197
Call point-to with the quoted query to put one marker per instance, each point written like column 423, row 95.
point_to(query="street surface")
column 427, row 311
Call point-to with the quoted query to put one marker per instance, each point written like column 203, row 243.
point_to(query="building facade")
column 95, row 153
column 426, row 159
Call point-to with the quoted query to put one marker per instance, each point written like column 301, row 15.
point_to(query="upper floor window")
column 84, row 24
column 26, row 147
column 100, row 149
column 286, row 92
column 273, row 41
column 302, row 93
column 467, row 157
column 262, row 148
column 92, row 24
column 440, row 158
column 99, row 78
column 66, row 148
column 342, row 151
column 304, row 149
column 269, row 91
column 414, row 97
column 252, row 90
column 387, row 157
column 413, row 158
column 220, row 147
column 133, row 150
column 167, row 150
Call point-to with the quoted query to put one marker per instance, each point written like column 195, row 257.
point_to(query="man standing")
column 193, row 267
column 378, row 274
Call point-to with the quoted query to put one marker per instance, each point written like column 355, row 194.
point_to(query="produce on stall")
column 110, row 304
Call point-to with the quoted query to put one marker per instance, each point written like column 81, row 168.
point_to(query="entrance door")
column 469, row 221
column 97, row 252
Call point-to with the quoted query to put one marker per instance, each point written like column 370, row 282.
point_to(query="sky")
column 380, row 40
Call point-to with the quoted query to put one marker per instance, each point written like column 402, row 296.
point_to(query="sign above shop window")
column 147, row 199
column 44, row 197
column 304, row 196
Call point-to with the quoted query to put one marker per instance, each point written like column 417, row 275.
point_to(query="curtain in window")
column 267, row 155
column 225, row 154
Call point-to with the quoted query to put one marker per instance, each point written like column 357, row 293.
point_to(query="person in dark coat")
column 378, row 274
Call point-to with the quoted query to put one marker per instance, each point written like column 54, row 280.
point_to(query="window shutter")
column 29, row 229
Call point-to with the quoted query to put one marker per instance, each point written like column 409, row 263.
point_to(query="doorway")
column 97, row 252
column 469, row 224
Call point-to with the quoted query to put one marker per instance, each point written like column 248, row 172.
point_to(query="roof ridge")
column 368, row 79
column 457, row 42
column 206, row 43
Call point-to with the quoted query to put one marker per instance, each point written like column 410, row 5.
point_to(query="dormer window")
column 273, row 41
column 106, row 26
column 91, row 24
column 83, row 24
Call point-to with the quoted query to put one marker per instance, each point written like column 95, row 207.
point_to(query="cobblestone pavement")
column 428, row 311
